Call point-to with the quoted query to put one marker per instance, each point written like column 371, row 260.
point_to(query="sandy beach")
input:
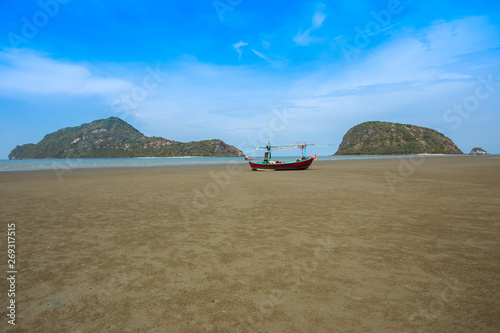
column 388, row 245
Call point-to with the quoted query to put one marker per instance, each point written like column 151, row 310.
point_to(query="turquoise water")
column 62, row 164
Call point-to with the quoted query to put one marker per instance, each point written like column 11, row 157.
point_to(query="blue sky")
column 242, row 70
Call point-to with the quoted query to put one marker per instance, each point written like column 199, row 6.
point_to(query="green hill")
column 113, row 137
column 385, row 138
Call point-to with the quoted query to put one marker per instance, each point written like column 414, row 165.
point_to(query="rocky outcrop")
column 385, row 138
column 478, row 151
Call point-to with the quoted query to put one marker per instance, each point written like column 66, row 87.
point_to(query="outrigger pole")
column 301, row 145
column 268, row 149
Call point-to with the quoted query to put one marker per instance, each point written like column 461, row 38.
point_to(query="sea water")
column 63, row 164
column 59, row 164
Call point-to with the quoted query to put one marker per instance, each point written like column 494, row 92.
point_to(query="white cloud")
column 263, row 56
column 305, row 38
column 442, row 51
column 317, row 20
column 238, row 47
column 28, row 72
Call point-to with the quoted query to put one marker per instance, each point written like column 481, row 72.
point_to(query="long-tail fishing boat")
column 268, row 164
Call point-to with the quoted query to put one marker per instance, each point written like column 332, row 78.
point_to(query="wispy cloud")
column 304, row 37
column 263, row 56
column 238, row 47
column 437, row 52
column 29, row 72
column 317, row 20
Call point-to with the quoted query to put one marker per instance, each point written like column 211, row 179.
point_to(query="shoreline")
column 66, row 164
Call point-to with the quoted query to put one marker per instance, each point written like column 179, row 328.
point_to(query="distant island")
column 478, row 151
column 386, row 138
column 113, row 137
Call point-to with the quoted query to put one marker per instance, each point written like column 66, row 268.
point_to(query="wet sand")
column 386, row 245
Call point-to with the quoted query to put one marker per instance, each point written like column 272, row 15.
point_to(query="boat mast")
column 302, row 147
column 269, row 149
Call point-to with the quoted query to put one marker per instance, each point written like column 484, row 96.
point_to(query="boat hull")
column 294, row 165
